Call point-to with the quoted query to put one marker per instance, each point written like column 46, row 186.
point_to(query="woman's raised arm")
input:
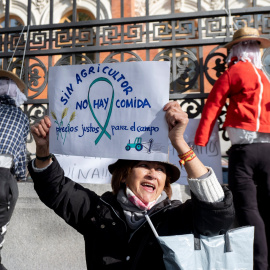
column 177, row 121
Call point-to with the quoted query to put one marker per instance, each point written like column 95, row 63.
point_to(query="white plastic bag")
column 231, row 251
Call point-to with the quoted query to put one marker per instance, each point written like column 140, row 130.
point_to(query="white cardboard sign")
column 210, row 155
column 112, row 110
column 95, row 170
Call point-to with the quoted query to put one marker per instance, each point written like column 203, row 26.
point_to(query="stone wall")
column 37, row 239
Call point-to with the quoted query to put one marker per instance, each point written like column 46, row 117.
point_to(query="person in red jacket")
column 247, row 123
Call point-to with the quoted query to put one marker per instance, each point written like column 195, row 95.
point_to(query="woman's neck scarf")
column 134, row 209
column 138, row 202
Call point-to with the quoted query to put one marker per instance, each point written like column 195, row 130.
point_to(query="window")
column 14, row 21
column 81, row 15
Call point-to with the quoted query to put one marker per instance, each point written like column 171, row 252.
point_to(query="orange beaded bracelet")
column 188, row 156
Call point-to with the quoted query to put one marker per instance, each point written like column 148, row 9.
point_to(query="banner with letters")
column 95, row 170
column 110, row 110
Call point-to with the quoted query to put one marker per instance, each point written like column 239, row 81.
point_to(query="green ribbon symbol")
column 103, row 129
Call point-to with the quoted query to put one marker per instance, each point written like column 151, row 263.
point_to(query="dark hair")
column 124, row 170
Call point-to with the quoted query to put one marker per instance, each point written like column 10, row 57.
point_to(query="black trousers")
column 249, row 181
column 8, row 198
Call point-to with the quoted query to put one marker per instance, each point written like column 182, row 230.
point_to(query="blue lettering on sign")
column 124, row 103
column 82, row 105
column 67, row 129
column 89, row 129
column 118, row 128
column 118, row 77
column 150, row 129
column 132, row 103
column 80, row 76
column 83, row 73
column 100, row 103
column 67, row 94
column 91, row 70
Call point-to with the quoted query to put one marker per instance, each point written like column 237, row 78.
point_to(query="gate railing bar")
column 144, row 19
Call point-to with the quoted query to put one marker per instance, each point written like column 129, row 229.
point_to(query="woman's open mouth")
column 148, row 186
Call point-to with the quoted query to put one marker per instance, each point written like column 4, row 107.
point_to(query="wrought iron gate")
column 192, row 42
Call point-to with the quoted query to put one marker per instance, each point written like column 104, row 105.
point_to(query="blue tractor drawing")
column 137, row 144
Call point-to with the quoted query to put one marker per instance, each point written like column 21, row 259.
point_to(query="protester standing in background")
column 14, row 128
column 247, row 123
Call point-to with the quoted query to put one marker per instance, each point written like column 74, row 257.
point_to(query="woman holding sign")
column 116, row 233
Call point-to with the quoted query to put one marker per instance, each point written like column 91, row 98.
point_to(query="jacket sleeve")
column 68, row 199
column 213, row 218
column 201, row 217
column 207, row 189
column 213, row 106
column 20, row 158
